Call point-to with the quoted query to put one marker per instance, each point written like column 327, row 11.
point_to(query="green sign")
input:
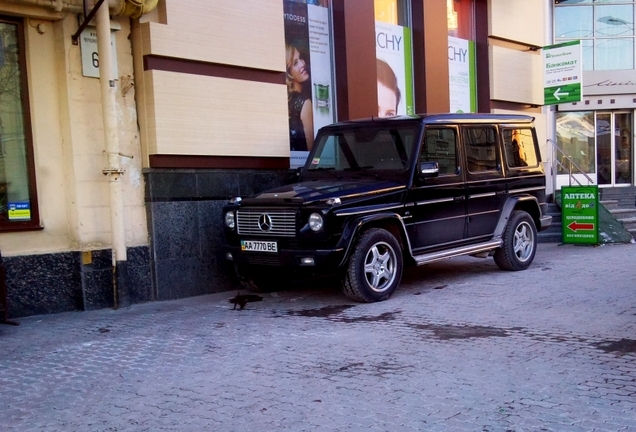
column 562, row 73
column 579, row 211
column 562, row 94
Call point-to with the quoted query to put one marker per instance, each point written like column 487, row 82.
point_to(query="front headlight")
column 315, row 222
column 229, row 219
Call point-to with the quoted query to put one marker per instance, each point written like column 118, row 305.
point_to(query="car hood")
column 313, row 191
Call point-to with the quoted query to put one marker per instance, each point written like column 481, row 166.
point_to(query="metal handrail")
column 557, row 155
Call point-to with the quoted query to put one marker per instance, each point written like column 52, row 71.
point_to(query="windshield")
column 365, row 148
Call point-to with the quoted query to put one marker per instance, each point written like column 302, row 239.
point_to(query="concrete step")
column 552, row 234
column 610, row 204
column 623, row 213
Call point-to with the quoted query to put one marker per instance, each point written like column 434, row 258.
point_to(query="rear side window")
column 481, row 148
column 519, row 148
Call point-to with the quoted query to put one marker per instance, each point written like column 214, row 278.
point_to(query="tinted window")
column 481, row 148
column 519, row 148
column 440, row 145
column 381, row 148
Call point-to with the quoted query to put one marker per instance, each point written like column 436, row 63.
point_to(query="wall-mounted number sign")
column 90, row 58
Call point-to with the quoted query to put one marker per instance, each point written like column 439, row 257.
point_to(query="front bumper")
column 330, row 258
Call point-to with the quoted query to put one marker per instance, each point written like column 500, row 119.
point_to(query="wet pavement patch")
column 446, row 332
column 332, row 313
column 622, row 346
column 323, row 312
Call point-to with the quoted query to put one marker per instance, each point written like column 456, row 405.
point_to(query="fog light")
column 228, row 256
column 307, row 261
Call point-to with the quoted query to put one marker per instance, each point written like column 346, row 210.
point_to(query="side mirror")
column 428, row 169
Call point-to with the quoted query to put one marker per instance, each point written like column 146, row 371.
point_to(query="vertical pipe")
column 114, row 171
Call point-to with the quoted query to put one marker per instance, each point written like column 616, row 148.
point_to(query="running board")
column 464, row 250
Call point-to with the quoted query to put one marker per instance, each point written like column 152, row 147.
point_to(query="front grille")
column 262, row 222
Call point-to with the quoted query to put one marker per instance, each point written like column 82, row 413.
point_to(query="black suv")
column 378, row 194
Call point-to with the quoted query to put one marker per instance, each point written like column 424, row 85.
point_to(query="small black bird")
column 243, row 299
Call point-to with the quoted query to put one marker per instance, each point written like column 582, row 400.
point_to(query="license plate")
column 259, row 246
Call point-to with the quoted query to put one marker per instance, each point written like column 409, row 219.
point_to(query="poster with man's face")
column 394, row 69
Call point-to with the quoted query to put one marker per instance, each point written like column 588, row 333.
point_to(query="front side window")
column 605, row 28
column 440, row 145
column 18, row 206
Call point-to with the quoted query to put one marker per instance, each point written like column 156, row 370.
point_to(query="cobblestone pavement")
column 461, row 346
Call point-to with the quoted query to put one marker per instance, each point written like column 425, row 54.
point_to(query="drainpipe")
column 114, row 172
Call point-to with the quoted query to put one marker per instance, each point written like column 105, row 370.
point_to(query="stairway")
column 621, row 203
column 553, row 234
column 620, row 208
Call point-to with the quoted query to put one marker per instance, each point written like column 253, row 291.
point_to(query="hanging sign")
column 562, row 73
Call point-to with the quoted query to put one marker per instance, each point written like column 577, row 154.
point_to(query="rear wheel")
column 519, row 243
column 375, row 268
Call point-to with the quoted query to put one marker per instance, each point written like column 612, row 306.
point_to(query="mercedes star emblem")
column 265, row 222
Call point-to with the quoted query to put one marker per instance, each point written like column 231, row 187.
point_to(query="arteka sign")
column 579, row 210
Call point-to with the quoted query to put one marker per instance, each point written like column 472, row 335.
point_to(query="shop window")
column 309, row 73
column 394, row 58
column 576, row 138
column 18, row 205
column 605, row 28
column 461, row 56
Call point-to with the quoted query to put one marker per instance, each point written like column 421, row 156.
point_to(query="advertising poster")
column 308, row 74
column 395, row 71
column 461, row 71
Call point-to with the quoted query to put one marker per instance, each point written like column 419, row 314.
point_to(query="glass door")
column 613, row 148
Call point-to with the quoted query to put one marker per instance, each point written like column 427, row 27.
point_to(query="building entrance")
column 614, row 160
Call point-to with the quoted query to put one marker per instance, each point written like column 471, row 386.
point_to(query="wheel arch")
column 527, row 203
column 391, row 222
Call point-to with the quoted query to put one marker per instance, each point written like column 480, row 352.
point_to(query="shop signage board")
column 579, row 212
column 562, row 73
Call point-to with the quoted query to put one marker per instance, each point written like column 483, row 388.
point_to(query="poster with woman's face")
column 308, row 57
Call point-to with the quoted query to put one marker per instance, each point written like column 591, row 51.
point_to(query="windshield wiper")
column 327, row 170
column 366, row 169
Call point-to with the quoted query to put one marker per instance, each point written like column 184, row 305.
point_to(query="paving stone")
column 491, row 351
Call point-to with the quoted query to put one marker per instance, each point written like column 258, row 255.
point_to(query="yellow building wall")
column 189, row 114
column 68, row 141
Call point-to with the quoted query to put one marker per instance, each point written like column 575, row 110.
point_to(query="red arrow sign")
column 575, row 226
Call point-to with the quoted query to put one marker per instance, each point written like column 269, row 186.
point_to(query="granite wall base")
column 68, row 281
column 184, row 209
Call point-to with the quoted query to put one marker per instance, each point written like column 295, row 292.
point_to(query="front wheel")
column 375, row 268
column 519, row 243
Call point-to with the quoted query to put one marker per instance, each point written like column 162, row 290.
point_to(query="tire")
column 375, row 268
column 259, row 280
column 519, row 243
